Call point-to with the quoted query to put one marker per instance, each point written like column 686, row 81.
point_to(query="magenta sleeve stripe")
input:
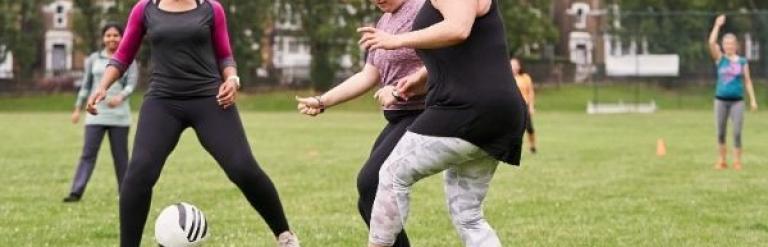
column 131, row 42
column 221, row 36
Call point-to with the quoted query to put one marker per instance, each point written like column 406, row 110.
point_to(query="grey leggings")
column 468, row 173
column 723, row 110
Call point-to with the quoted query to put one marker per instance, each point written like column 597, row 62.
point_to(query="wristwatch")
column 235, row 79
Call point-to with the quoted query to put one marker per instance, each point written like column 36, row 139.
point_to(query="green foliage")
column 682, row 27
column 247, row 20
column 329, row 27
column 527, row 22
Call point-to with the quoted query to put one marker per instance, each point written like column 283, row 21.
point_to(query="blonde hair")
column 730, row 36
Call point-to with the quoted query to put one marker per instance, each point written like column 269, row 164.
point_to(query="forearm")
column 82, row 96
column 436, row 36
column 421, row 82
column 751, row 91
column 111, row 74
column 713, row 35
column 228, row 72
column 351, row 88
column 132, row 78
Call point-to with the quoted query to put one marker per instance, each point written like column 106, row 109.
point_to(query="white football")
column 181, row 225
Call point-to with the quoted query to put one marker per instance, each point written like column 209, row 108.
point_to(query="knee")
column 139, row 174
column 242, row 170
column 367, row 182
column 464, row 217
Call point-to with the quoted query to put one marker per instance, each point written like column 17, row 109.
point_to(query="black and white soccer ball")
column 181, row 225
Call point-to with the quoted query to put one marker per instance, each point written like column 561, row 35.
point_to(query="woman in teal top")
column 114, row 114
column 733, row 78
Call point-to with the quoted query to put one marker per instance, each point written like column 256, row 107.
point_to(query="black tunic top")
column 472, row 94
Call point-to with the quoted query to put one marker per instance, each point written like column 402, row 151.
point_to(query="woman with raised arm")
column 193, row 84
column 474, row 117
column 733, row 77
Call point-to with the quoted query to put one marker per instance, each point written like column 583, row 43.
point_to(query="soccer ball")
column 181, row 225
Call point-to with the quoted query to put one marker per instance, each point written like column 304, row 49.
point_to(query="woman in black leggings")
column 190, row 56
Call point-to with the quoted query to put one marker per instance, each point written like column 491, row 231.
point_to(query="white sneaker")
column 288, row 239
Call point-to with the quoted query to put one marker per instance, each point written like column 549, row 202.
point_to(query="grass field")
column 595, row 182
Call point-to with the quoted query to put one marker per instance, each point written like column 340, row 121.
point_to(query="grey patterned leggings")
column 468, row 173
column 733, row 110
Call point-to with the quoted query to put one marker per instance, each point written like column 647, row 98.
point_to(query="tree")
column 86, row 24
column 247, row 21
column 682, row 27
column 527, row 22
column 24, row 34
column 329, row 27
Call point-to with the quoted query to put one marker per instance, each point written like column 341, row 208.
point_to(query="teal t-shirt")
column 730, row 79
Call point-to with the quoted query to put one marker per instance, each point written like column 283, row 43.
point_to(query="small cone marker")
column 661, row 147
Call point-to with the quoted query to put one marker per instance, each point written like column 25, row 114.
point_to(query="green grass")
column 570, row 97
column 595, row 182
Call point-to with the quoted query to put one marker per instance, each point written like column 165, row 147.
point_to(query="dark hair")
column 111, row 25
column 519, row 62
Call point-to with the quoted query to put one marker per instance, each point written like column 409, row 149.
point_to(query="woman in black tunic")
column 474, row 117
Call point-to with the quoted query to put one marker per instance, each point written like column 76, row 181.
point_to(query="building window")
column 59, row 9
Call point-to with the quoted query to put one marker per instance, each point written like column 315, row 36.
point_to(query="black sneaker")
column 72, row 198
column 533, row 150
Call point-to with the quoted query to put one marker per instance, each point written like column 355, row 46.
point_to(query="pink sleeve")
column 131, row 41
column 221, row 37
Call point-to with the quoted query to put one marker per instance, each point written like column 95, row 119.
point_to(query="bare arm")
column 714, row 48
column 458, row 18
column 532, row 95
column 750, row 88
column 414, row 84
column 353, row 87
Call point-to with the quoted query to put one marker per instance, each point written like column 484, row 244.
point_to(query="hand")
column 227, row 94
column 309, row 106
column 75, row 116
column 376, row 39
column 385, row 97
column 409, row 86
column 531, row 110
column 115, row 101
column 753, row 106
column 97, row 96
column 720, row 21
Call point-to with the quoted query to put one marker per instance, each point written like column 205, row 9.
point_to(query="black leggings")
column 368, row 178
column 161, row 122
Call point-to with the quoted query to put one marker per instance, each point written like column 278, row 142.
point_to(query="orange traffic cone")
column 661, row 147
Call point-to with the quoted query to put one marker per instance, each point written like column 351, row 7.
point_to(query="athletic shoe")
column 737, row 166
column 72, row 198
column 288, row 239
column 721, row 166
column 533, row 150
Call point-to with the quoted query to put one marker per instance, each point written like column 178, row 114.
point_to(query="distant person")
column 732, row 78
column 115, row 117
column 525, row 84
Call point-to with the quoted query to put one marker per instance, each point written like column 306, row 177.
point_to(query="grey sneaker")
column 288, row 239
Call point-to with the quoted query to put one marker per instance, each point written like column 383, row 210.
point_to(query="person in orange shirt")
column 525, row 84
